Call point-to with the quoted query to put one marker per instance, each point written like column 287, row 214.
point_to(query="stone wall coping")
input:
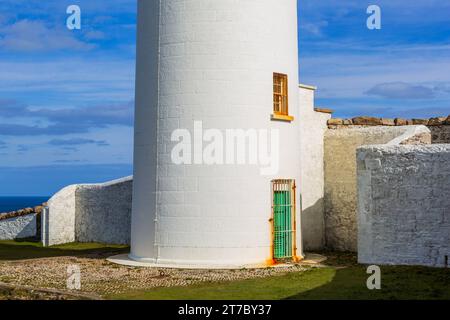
column 323, row 110
column 17, row 214
column 405, row 148
column 367, row 121
column 305, row 86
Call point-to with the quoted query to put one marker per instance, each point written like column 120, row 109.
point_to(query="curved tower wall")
column 210, row 61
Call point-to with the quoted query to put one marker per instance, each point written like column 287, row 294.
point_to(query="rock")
column 437, row 121
column 38, row 209
column 367, row 121
column 27, row 210
column 347, row 122
column 420, row 121
column 335, row 121
column 400, row 122
column 447, row 121
column 387, row 122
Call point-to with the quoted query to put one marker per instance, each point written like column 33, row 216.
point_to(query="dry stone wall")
column 439, row 126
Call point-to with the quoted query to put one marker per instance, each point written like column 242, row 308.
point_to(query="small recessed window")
column 280, row 98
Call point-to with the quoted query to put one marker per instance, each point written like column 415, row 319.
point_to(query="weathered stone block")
column 347, row 122
column 367, row 121
column 436, row 121
column 447, row 121
column 400, row 122
column 420, row 121
column 335, row 122
column 387, row 122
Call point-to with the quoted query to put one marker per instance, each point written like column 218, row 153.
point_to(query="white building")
column 225, row 69
column 208, row 71
column 231, row 65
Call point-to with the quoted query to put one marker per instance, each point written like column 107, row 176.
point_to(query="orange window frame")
column 281, row 97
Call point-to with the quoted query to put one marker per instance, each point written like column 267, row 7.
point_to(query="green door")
column 282, row 224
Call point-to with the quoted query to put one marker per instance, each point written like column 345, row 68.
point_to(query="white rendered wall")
column 89, row 213
column 313, row 128
column 404, row 204
column 215, row 64
column 18, row 227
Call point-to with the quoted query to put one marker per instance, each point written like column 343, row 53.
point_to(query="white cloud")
column 401, row 90
column 32, row 35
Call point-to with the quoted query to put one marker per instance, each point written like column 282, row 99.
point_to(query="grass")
column 29, row 249
column 328, row 283
column 341, row 278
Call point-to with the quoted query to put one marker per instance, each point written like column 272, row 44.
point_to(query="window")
column 280, row 98
column 283, row 220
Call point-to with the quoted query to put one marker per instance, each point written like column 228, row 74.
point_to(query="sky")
column 66, row 97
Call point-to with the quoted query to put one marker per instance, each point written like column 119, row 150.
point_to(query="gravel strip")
column 102, row 277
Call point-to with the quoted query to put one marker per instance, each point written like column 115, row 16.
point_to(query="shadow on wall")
column 29, row 230
column 313, row 226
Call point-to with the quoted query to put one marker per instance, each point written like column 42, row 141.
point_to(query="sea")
column 8, row 204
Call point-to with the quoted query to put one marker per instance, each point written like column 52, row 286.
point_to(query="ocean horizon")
column 8, row 204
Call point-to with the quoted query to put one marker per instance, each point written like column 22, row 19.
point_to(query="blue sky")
column 66, row 97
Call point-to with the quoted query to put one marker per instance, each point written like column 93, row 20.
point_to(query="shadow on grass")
column 397, row 283
column 32, row 249
column 327, row 283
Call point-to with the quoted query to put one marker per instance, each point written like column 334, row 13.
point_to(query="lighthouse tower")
column 219, row 66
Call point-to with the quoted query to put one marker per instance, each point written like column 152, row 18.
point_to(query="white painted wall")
column 18, row 227
column 214, row 61
column 58, row 223
column 340, row 176
column 404, row 204
column 89, row 213
column 313, row 128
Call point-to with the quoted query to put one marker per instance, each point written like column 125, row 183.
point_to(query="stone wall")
column 313, row 128
column 440, row 134
column 58, row 219
column 89, row 213
column 18, row 227
column 340, row 205
column 404, row 204
column 439, row 126
column 103, row 212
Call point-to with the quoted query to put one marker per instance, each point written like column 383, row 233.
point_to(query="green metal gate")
column 283, row 193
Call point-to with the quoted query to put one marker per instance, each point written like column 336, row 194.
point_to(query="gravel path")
column 102, row 277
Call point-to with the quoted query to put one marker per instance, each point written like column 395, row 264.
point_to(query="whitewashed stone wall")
column 313, row 127
column 404, row 204
column 89, row 213
column 340, row 176
column 58, row 221
column 18, row 227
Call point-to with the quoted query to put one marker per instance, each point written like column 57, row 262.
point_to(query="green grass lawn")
column 316, row 284
column 342, row 278
column 18, row 250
